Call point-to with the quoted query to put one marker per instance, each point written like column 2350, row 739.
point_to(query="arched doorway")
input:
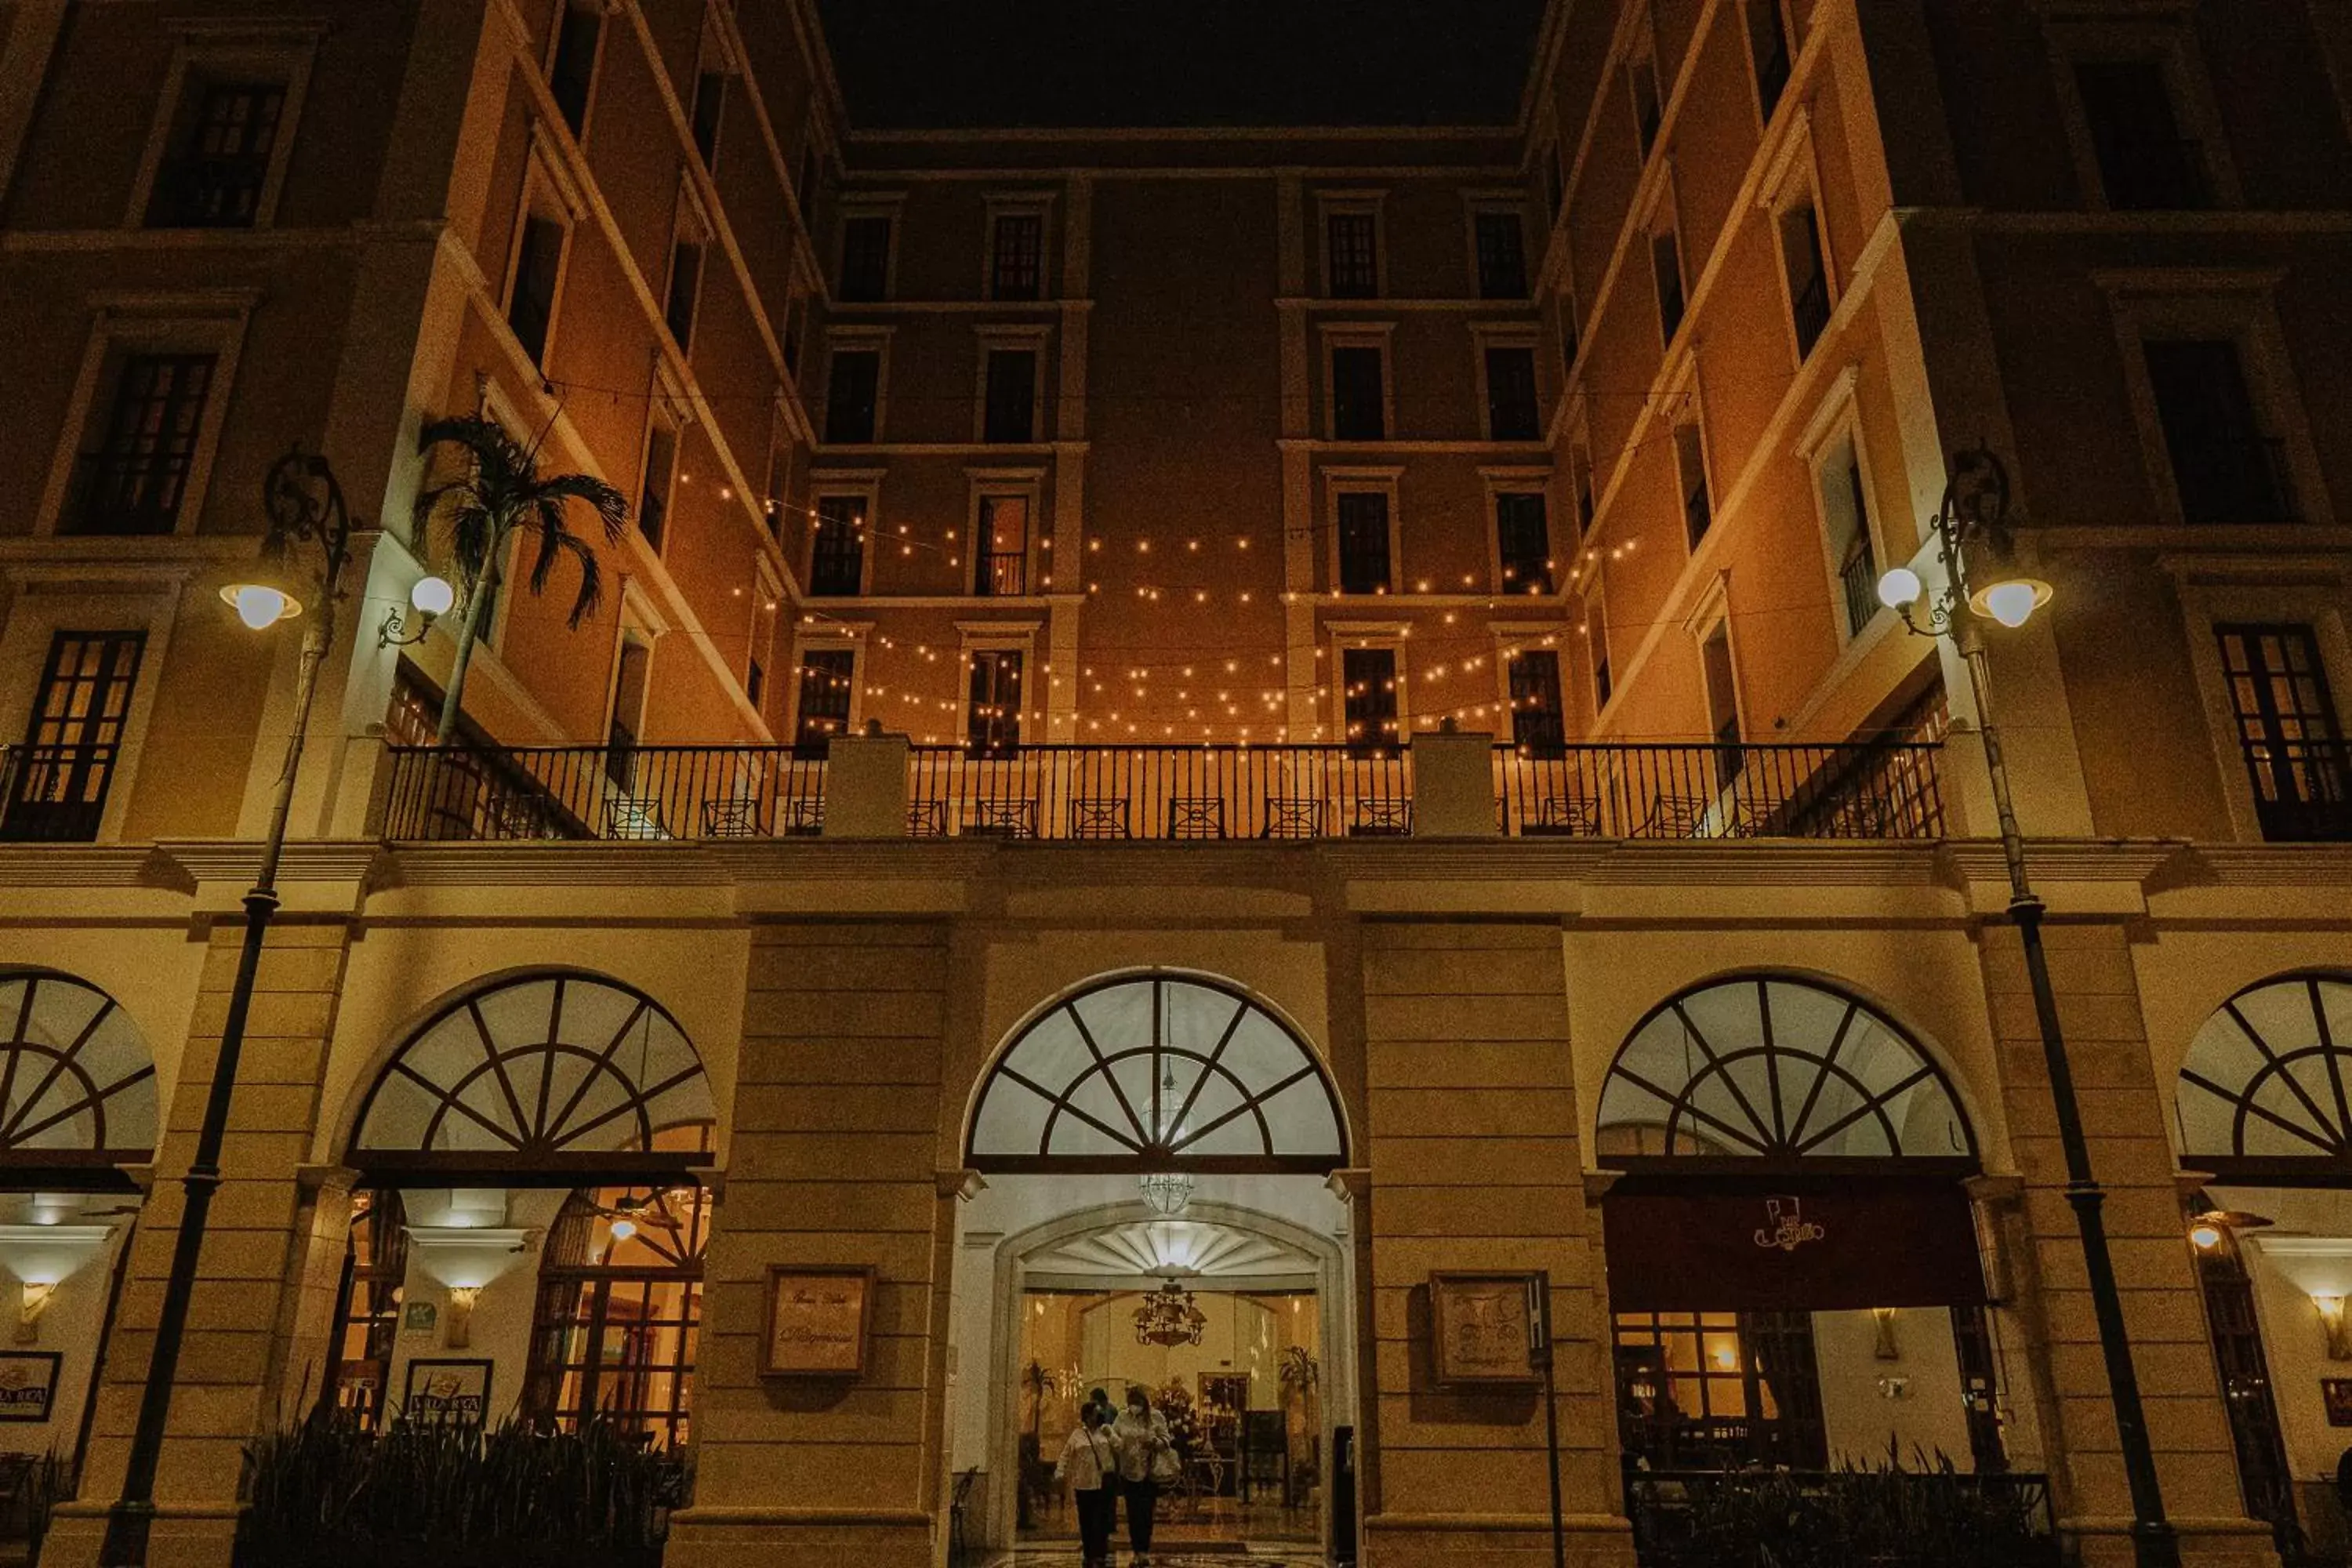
column 1156, row 1147
column 533, row 1213
column 2261, row 1108
column 1792, row 1256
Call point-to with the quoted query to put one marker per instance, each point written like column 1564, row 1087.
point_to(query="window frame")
column 1518, row 480
column 1838, row 421
column 548, row 194
column 690, row 226
column 1371, row 203
column 660, row 419
column 1028, row 484
column 1601, row 673
column 1478, row 205
column 1766, row 114
column 1512, row 639
column 850, row 640
column 1038, row 204
column 2136, row 35
column 1379, row 336
column 1488, row 337
column 993, row 638
column 826, row 484
column 840, row 340
column 1664, row 221
column 852, row 209
column 1342, row 637
column 550, row 50
column 1031, row 340
column 1385, row 480
column 266, row 49
column 2216, row 591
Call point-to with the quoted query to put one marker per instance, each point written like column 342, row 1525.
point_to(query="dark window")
column 1767, row 45
column 864, row 259
column 1722, row 705
column 367, row 1318
column 851, row 395
column 1523, row 541
column 1809, row 277
column 1016, row 268
column 755, row 680
column 137, row 480
column 837, row 550
column 1666, row 273
column 2288, row 731
column 992, row 722
column 1010, row 411
column 1596, row 638
column 1690, row 470
column 1846, row 504
column 1649, row 111
column 220, row 160
column 710, row 107
column 1571, row 338
column 539, row 260
column 1358, row 394
column 1555, row 182
column 1369, row 701
column 2144, row 165
column 804, row 180
column 2225, row 470
column 827, row 678
column 1501, row 256
column 1353, row 259
column 685, row 291
column 621, row 731
column 653, row 500
column 574, row 70
column 793, row 316
column 1363, row 541
column 614, row 1333
column 1581, row 469
column 1511, row 413
column 56, row 791
column 1537, row 724
column 1003, row 553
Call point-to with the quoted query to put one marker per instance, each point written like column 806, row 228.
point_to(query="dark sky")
column 961, row 63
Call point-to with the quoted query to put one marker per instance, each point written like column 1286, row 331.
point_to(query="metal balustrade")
column 1726, row 791
column 604, row 792
column 1159, row 792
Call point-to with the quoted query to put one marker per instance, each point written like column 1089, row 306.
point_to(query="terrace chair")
column 1100, row 817
column 737, row 817
column 1196, row 816
column 1001, row 819
column 513, row 815
column 1563, row 816
column 634, row 816
column 1381, row 819
column 1292, row 816
column 1675, row 817
column 927, row 819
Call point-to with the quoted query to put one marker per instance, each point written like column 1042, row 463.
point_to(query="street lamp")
column 1981, row 584
column 305, row 506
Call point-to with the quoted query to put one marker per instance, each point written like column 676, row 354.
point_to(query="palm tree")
column 502, row 492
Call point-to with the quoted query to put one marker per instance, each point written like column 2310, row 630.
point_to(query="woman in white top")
column 1147, row 1458
column 1090, row 1463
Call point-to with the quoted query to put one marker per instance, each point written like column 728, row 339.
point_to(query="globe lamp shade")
column 1899, row 587
column 432, row 596
column 261, row 606
column 2012, row 603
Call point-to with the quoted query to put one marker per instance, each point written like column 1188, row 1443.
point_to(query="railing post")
column 1454, row 784
column 866, row 786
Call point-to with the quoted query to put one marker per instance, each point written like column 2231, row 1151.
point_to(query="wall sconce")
column 429, row 599
column 1886, row 1349
column 464, row 1258
column 2331, row 1318
column 44, row 1256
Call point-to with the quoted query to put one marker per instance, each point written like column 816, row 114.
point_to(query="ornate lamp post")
column 306, row 507
column 1973, row 544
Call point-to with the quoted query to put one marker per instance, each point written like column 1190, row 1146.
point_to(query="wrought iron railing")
column 1002, row 574
column 2303, row 789
column 604, row 792
column 1918, row 1519
column 1720, row 792
column 1159, row 792
column 1858, row 578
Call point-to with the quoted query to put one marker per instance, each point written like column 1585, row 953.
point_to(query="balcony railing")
column 1858, row 577
column 1724, row 791
column 127, row 492
column 1159, row 792
column 2303, row 789
column 604, row 792
column 1002, row 574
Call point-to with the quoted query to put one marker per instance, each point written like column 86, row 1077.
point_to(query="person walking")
column 1090, row 1463
column 1147, row 1461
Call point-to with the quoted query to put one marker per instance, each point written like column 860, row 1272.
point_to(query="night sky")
column 935, row 63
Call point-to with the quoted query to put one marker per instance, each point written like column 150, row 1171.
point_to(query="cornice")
column 88, row 866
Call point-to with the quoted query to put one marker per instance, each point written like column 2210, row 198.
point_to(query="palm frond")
column 592, row 576
column 611, row 507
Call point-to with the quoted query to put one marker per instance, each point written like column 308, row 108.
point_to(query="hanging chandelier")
column 1165, row 1192
column 1169, row 1317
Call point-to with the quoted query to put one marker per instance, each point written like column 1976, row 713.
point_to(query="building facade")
column 1202, row 747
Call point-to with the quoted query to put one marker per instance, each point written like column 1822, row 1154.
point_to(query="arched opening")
column 1792, row 1255
column 1155, row 1148
column 531, row 1213
column 2261, row 1111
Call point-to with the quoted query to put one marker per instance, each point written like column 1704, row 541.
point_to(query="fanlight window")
column 1154, row 1073
column 77, row 1086
column 1780, row 1069
column 552, row 1072
column 2264, row 1079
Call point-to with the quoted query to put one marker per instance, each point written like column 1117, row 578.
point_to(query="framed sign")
column 28, row 1384
column 419, row 1317
column 1479, row 1330
column 2336, row 1393
column 455, row 1391
column 816, row 1321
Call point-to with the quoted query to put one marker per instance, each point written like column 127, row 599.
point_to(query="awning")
column 1743, row 1243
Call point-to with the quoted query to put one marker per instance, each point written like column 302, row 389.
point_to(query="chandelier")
column 1169, row 1317
column 1166, row 1192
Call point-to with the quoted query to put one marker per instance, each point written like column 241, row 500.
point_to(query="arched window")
column 76, row 1084
column 1157, row 1072
column 620, row 1311
column 553, row 1075
column 2263, row 1091
column 1767, row 1068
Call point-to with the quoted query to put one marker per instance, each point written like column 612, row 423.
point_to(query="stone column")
column 833, row 1161
column 1454, row 784
column 1475, row 1165
column 2172, row 1350
column 865, row 787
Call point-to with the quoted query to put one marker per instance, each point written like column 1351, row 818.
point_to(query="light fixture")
column 2011, row 603
column 1900, row 586
column 42, row 1258
column 430, row 598
column 260, row 605
column 2331, row 1318
column 1886, row 1348
column 2207, row 1230
column 1169, row 1316
column 464, row 1258
column 2205, row 1234
column 623, row 1229
column 1165, row 1192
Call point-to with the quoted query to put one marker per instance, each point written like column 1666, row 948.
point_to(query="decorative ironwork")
column 1157, row 1073
column 76, row 1083
column 554, row 1073
column 1170, row 1316
column 1166, row 1192
column 1778, row 1069
column 2263, row 1090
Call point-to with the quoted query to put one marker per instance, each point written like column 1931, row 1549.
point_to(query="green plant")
column 1881, row 1515
column 500, row 494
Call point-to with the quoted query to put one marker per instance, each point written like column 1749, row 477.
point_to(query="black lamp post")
column 1972, row 526
column 305, row 507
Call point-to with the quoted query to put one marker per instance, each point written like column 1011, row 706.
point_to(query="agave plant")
column 500, row 494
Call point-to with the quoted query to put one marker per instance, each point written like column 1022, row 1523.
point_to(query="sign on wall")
column 28, row 1384
column 455, row 1391
column 817, row 1322
column 1479, row 1329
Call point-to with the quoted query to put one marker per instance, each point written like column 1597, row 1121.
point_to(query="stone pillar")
column 833, row 1161
column 2172, row 1350
column 1454, row 784
column 268, row 1270
column 865, row 786
column 1474, row 1166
